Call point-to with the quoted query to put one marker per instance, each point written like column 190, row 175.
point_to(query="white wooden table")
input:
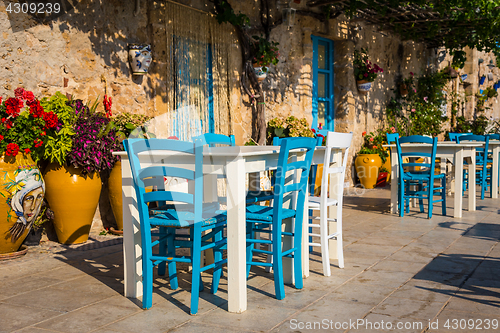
column 447, row 150
column 234, row 163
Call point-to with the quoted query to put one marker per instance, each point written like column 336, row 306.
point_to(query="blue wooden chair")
column 483, row 173
column 269, row 219
column 495, row 137
column 176, row 210
column 213, row 139
column 425, row 174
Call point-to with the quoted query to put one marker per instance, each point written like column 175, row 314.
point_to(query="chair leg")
column 279, row 284
column 420, row 200
column 297, row 254
column 250, row 246
column 325, row 253
column 217, row 258
column 483, row 181
column 340, row 246
column 172, row 266
column 162, row 247
column 431, row 199
column 196, row 262
column 401, row 199
column 147, row 283
column 443, row 195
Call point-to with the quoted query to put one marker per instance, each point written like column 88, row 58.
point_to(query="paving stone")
column 15, row 317
column 459, row 321
column 405, row 309
column 425, row 291
column 383, row 278
column 374, row 322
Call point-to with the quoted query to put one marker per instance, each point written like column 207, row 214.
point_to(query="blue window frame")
column 188, row 79
column 323, row 78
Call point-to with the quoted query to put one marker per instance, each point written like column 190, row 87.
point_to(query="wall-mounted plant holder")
column 463, row 77
column 139, row 57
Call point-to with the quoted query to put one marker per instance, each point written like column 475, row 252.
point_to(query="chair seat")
column 265, row 213
column 420, row 176
column 174, row 218
column 314, row 202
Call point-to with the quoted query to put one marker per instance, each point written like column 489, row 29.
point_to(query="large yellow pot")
column 73, row 198
column 22, row 191
column 115, row 193
column 367, row 168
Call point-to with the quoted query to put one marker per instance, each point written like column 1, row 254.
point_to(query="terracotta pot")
column 22, row 190
column 115, row 193
column 261, row 75
column 73, row 198
column 364, row 86
column 367, row 166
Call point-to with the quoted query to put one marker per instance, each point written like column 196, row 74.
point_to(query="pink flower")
column 426, row 99
column 365, row 75
column 411, row 73
column 412, row 110
column 414, row 90
column 393, row 130
column 371, row 139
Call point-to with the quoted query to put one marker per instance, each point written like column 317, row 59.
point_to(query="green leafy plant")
column 289, row 127
column 59, row 139
column 226, row 14
column 130, row 125
column 475, row 126
column 265, row 52
column 372, row 144
column 363, row 68
column 419, row 111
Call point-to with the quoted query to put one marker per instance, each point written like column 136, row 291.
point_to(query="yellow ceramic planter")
column 73, row 198
column 115, row 193
column 22, row 191
column 367, row 168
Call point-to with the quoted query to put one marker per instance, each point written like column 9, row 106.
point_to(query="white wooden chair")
column 323, row 203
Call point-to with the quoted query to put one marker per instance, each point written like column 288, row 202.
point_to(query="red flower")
column 0, row 99
column 13, row 106
column 313, row 130
column 411, row 73
column 27, row 151
column 28, row 96
column 19, row 92
column 374, row 147
column 50, row 119
column 364, row 133
column 12, row 149
column 36, row 110
column 37, row 143
column 107, row 105
column 371, row 139
column 1, row 137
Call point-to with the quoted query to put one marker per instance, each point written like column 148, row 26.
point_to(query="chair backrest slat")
column 454, row 136
column 334, row 141
column 391, row 137
column 213, row 139
column 427, row 144
column 144, row 152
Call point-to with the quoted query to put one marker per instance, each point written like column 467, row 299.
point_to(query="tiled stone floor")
column 407, row 271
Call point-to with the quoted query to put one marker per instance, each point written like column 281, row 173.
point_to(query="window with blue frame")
column 323, row 79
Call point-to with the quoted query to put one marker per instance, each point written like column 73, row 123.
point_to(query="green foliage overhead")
column 225, row 13
column 461, row 23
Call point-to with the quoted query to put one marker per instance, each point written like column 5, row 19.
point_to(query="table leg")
column 132, row 244
column 394, row 180
column 236, row 236
column 494, row 172
column 472, row 180
column 459, row 177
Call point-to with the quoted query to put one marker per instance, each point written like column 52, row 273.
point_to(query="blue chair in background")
column 269, row 219
column 496, row 137
column 483, row 173
column 212, row 139
column 454, row 136
column 425, row 174
column 176, row 210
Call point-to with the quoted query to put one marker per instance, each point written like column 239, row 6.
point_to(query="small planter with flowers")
column 365, row 71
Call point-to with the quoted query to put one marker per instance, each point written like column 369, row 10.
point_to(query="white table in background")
column 447, row 150
column 234, row 163
column 495, row 146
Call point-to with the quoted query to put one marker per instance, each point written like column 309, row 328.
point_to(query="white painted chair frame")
column 323, row 202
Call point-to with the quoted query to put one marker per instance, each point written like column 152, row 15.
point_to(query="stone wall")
column 84, row 53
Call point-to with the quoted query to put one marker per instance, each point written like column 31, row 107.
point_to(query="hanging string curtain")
column 197, row 73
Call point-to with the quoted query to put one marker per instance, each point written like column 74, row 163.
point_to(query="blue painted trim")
column 329, row 100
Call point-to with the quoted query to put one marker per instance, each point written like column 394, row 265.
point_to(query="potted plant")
column 265, row 53
column 23, row 127
column 126, row 125
column 365, row 71
column 382, row 177
column 73, row 175
column 370, row 159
